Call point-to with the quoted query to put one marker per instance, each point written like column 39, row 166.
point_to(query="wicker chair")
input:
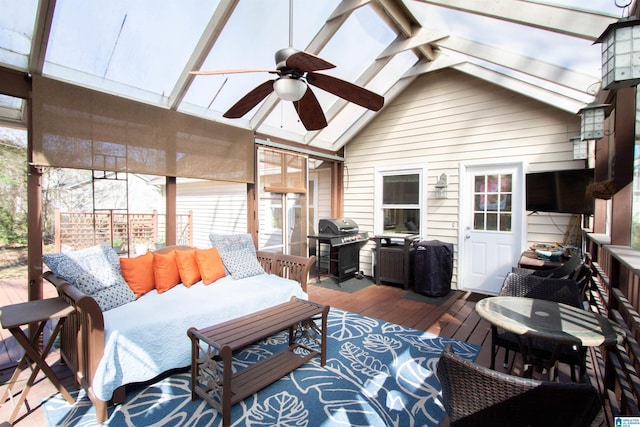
column 474, row 395
column 541, row 353
column 567, row 270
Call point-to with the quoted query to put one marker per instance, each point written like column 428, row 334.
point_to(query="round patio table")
column 558, row 323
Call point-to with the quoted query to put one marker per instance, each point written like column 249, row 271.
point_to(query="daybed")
column 140, row 340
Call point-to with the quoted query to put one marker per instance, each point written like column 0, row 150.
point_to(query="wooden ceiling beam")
column 15, row 83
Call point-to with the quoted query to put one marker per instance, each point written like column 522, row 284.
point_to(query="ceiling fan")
column 296, row 70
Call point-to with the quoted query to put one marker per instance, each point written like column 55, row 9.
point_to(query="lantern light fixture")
column 592, row 121
column 621, row 54
column 580, row 148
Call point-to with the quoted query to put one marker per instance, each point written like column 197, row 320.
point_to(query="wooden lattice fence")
column 129, row 233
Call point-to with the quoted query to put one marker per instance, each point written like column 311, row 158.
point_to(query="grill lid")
column 338, row 226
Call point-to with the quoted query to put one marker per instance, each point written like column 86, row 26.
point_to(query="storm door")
column 491, row 225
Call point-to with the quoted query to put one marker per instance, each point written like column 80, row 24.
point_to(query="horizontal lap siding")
column 218, row 207
column 324, row 196
column 445, row 118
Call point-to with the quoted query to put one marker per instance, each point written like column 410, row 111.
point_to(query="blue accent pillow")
column 94, row 271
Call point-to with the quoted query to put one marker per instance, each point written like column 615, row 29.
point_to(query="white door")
column 492, row 225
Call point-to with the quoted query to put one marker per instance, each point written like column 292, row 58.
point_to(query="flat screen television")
column 562, row 191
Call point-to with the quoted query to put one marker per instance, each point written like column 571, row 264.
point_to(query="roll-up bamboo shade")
column 76, row 127
column 282, row 172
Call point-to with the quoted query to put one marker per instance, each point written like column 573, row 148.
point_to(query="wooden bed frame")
column 82, row 336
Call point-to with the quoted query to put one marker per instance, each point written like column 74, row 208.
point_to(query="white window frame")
column 380, row 172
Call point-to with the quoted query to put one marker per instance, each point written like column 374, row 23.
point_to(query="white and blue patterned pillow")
column 232, row 242
column 241, row 263
column 94, row 271
column 238, row 254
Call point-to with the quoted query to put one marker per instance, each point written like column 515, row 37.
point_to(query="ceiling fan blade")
column 349, row 91
column 306, row 61
column 310, row 111
column 238, row 71
column 250, row 100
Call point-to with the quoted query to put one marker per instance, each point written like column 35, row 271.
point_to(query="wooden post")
column 190, row 228
column 252, row 214
column 170, row 225
column 57, row 235
column 34, row 256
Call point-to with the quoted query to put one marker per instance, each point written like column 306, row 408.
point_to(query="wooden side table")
column 212, row 376
column 13, row 317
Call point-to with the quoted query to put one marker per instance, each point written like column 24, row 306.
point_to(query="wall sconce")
column 580, row 148
column 441, row 187
column 620, row 53
column 592, row 121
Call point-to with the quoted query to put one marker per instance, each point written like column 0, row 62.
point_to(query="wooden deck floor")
column 455, row 318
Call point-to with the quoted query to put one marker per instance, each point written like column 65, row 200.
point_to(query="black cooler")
column 433, row 268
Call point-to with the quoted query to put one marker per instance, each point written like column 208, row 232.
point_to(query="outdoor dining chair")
column 542, row 353
column 474, row 395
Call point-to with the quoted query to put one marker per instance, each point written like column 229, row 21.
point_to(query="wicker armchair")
column 541, row 353
column 566, row 270
column 474, row 395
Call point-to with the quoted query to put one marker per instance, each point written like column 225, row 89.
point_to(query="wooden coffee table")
column 212, row 377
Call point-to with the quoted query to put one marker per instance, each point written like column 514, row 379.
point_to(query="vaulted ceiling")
column 144, row 50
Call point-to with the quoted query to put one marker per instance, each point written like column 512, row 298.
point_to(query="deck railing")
column 615, row 293
column 129, row 233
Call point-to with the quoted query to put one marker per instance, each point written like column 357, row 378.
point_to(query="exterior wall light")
column 580, row 148
column 592, row 121
column 441, row 187
column 621, row 54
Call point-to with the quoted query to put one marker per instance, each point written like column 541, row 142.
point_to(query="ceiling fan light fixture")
column 289, row 89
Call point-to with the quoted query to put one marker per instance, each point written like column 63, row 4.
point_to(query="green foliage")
column 13, row 193
column 12, row 229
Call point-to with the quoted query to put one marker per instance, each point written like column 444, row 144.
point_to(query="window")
column 492, row 202
column 399, row 196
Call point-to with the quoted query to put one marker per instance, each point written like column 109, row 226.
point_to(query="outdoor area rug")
column 377, row 374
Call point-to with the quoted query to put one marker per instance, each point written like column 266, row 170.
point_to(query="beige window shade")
column 75, row 127
column 282, row 171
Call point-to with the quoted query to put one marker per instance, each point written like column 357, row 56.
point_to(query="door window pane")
column 492, row 201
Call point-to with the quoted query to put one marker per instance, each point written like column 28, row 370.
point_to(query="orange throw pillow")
column 138, row 273
column 188, row 267
column 165, row 271
column 210, row 264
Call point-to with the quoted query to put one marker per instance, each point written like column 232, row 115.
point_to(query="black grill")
column 344, row 239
